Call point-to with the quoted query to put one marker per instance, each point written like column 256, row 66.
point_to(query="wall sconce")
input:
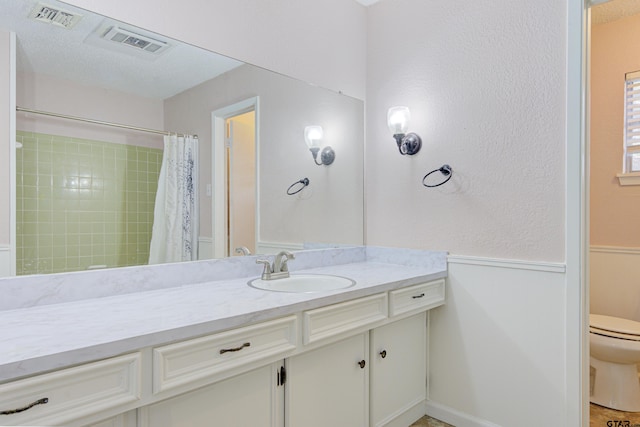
column 313, row 137
column 398, row 121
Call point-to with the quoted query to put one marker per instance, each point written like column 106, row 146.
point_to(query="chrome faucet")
column 279, row 268
column 280, row 263
column 243, row 250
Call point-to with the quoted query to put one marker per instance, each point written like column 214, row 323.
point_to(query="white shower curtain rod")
column 98, row 122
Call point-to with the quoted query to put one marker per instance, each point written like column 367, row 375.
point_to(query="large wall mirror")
column 86, row 191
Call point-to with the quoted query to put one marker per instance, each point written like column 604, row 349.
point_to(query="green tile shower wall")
column 83, row 203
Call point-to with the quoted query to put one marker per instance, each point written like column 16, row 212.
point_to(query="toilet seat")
column 614, row 327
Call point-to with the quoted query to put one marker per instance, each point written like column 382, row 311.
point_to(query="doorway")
column 612, row 245
column 235, row 184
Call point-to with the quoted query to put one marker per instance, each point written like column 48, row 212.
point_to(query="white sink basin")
column 303, row 283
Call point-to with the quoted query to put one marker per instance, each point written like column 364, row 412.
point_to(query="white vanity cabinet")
column 230, row 378
column 398, row 373
column 128, row 419
column 328, row 386
column 248, row 400
column 356, row 363
column 69, row 396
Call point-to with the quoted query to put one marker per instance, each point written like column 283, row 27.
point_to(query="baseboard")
column 404, row 417
column 205, row 247
column 454, row 417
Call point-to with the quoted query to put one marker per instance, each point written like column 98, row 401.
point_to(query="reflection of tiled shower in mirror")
column 83, row 204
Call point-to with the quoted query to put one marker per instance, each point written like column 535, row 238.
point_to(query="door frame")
column 218, row 170
column 577, row 216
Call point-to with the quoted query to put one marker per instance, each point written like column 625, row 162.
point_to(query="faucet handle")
column 243, row 250
column 280, row 263
column 266, row 273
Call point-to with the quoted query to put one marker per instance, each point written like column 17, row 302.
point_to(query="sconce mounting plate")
column 409, row 144
column 327, row 155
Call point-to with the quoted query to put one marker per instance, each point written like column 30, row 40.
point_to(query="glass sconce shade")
column 313, row 136
column 398, row 122
column 398, row 119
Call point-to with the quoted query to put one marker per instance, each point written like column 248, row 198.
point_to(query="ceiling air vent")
column 56, row 16
column 134, row 40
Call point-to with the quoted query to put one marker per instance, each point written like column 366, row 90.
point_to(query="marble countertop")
column 40, row 338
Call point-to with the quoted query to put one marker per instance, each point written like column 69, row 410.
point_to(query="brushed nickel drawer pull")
column 15, row 411
column 418, row 296
column 227, row 350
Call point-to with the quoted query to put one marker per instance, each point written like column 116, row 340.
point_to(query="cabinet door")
column 248, row 400
column 328, row 386
column 398, row 371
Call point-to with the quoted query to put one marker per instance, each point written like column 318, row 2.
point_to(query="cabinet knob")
column 362, row 364
column 24, row 408
column 383, row 353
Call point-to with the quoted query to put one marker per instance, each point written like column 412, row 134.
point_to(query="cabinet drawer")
column 422, row 296
column 72, row 393
column 328, row 321
column 214, row 356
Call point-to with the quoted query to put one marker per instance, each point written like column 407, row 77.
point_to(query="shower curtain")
column 176, row 217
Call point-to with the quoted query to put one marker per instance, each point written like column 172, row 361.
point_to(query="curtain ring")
column 303, row 181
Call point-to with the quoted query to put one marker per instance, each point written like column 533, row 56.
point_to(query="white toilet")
column 615, row 351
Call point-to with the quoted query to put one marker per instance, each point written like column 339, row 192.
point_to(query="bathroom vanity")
column 223, row 353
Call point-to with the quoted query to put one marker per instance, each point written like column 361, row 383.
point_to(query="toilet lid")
column 614, row 326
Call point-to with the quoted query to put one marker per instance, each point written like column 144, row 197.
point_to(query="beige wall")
column 485, row 82
column 332, row 210
column 42, row 92
column 243, row 183
column 615, row 50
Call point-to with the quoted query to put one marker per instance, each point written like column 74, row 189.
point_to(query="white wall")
column 490, row 346
column 7, row 159
column 321, row 42
column 613, row 281
column 485, row 81
column 485, row 84
column 5, row 137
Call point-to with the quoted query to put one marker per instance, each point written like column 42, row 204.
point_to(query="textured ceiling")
column 614, row 10
column 78, row 54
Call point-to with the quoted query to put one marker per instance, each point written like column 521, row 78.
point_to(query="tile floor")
column 599, row 416
column 427, row 421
